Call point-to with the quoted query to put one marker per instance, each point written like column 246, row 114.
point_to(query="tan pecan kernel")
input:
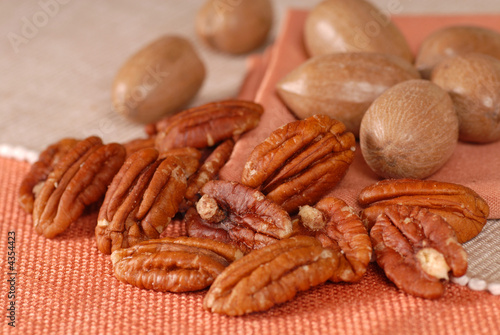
column 141, row 201
column 339, row 228
column 301, row 161
column 417, row 249
column 207, row 125
column 460, row 206
column 79, row 179
column 270, row 276
column 34, row 179
column 180, row 264
column 250, row 219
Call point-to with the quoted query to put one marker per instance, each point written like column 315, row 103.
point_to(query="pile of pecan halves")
column 257, row 242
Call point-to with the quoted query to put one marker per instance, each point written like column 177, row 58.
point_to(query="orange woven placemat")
column 65, row 286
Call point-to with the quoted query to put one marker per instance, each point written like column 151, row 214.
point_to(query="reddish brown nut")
column 180, row 264
column 207, row 125
column 464, row 210
column 33, row 181
column 250, row 219
column 270, row 276
column 417, row 249
column 79, row 179
column 139, row 144
column 207, row 171
column 339, row 228
column 301, row 161
column 141, row 201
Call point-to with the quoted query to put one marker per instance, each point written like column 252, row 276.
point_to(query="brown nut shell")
column 270, row 276
column 410, row 131
column 342, row 85
column 455, row 40
column 353, row 26
column 473, row 82
column 234, row 26
column 160, row 79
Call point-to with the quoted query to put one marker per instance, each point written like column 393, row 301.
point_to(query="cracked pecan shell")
column 339, row 228
column 33, row 181
column 180, row 264
column 270, row 276
column 142, row 199
column 206, row 125
column 463, row 209
column 79, row 179
column 240, row 214
column 417, row 249
column 300, row 162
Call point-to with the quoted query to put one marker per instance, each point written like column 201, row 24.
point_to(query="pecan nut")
column 240, row 214
column 142, row 199
column 270, row 276
column 181, row 264
column 78, row 180
column 206, row 125
column 417, row 249
column 33, row 181
column 459, row 205
column 300, row 162
column 339, row 228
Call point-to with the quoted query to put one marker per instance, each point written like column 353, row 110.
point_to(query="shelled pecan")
column 238, row 214
column 79, row 179
column 206, row 125
column 339, row 228
column 180, row 264
column 417, row 249
column 463, row 209
column 300, row 162
column 34, row 179
column 270, row 276
column 142, row 199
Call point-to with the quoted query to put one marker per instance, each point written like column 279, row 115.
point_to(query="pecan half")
column 181, row 264
column 339, row 228
column 33, row 181
column 207, row 125
column 139, row 144
column 417, row 249
column 79, row 179
column 141, row 201
column 249, row 218
column 300, row 162
column 460, row 206
column 270, row 276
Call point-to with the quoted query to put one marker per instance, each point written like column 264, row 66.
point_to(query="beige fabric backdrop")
column 58, row 59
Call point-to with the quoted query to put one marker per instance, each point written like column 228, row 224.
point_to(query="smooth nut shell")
column 158, row 80
column 455, row 40
column 410, row 131
column 342, row 85
column 473, row 82
column 352, row 26
column 234, row 26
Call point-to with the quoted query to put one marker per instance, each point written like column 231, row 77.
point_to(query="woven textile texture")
column 65, row 286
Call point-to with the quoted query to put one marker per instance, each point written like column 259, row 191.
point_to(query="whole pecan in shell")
column 339, row 228
column 300, row 162
column 33, row 181
column 79, row 179
column 180, row 264
column 417, row 249
column 270, row 276
column 249, row 219
column 207, row 125
column 460, row 206
column 141, row 201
